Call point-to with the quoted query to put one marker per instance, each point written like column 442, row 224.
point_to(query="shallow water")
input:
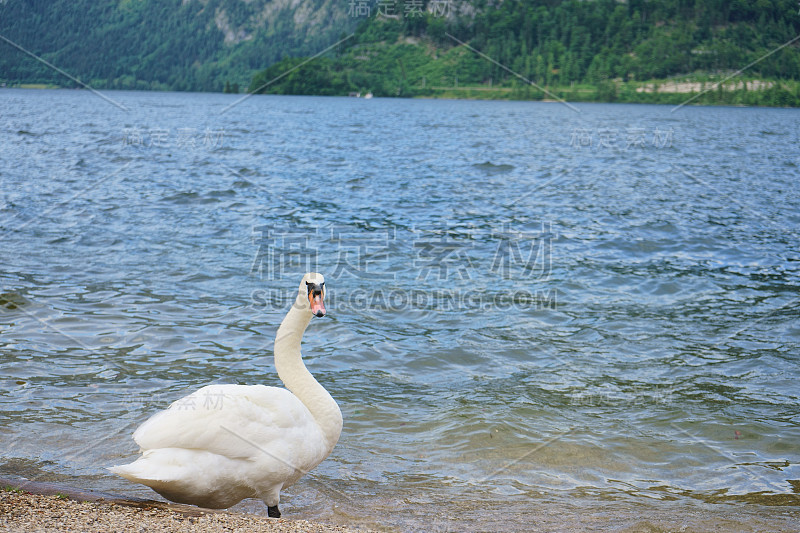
column 532, row 310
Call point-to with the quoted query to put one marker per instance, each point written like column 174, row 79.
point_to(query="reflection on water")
column 524, row 321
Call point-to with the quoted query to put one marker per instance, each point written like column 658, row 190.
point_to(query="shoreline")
column 28, row 506
column 630, row 96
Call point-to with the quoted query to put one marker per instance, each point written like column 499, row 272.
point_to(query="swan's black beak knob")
column 315, row 299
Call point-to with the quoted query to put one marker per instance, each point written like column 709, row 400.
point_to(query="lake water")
column 539, row 316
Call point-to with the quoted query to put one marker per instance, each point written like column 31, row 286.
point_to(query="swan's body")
column 224, row 443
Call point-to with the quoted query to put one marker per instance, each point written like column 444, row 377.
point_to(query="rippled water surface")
column 537, row 315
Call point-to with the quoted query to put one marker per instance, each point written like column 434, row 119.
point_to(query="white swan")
column 224, row 443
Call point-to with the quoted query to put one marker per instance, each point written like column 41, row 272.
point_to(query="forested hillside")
column 639, row 50
column 634, row 50
column 193, row 45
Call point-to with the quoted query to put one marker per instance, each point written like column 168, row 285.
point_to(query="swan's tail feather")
column 137, row 473
column 159, row 466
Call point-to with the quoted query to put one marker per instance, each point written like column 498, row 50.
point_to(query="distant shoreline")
column 649, row 93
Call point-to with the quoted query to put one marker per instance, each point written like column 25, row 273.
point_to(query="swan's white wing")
column 235, row 421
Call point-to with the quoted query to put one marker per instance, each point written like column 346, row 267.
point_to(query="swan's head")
column 312, row 289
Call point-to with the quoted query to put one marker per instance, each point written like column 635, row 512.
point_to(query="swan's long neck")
column 297, row 378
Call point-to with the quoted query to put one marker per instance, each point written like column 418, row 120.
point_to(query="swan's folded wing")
column 235, row 421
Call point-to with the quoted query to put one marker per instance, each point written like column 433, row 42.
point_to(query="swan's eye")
column 313, row 288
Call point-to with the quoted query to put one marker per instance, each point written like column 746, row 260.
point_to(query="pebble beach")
column 26, row 512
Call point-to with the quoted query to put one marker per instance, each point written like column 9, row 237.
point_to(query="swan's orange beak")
column 317, row 305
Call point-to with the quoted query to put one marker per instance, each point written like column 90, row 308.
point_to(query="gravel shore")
column 25, row 512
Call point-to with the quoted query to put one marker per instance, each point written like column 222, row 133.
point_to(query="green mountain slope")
column 161, row 44
column 634, row 50
column 650, row 51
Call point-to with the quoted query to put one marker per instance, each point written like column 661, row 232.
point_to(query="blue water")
column 536, row 315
